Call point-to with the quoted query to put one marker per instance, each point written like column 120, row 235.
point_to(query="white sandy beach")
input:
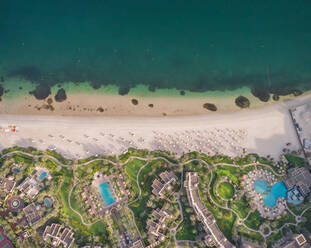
column 263, row 130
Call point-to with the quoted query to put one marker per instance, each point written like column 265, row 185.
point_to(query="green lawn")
column 225, row 190
column 254, row 220
column 131, row 169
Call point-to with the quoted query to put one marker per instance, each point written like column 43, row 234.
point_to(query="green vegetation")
column 131, row 169
column 225, row 190
column 254, row 220
column 295, row 161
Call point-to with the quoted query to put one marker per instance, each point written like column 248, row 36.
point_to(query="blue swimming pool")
column 42, row 175
column 106, row 193
column 47, row 202
column 278, row 190
column 261, row 186
column 271, row 194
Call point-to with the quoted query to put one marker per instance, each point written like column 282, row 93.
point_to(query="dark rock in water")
column 6, row 91
column 150, row 105
column 275, row 97
column 242, row 102
column 297, row 92
column 152, row 88
column 134, row 101
column 182, row 92
column 210, row 106
column 100, row 109
column 1, row 90
column 262, row 93
column 50, row 101
column 60, row 95
column 1, row 79
column 95, row 85
column 20, row 87
column 124, row 91
column 41, row 92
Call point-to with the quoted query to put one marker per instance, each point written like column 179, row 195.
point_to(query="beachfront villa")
column 270, row 196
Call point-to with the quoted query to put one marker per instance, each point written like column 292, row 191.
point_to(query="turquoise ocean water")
column 198, row 45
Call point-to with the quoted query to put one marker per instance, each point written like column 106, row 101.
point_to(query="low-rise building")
column 167, row 179
column 7, row 184
column 58, row 236
column 299, row 241
column 137, row 244
column 300, row 177
column 32, row 213
column 213, row 234
column 30, row 187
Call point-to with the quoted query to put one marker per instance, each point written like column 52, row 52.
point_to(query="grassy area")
column 186, row 231
column 59, row 157
column 22, row 159
column 254, row 220
column 295, row 161
column 133, row 152
column 225, row 190
column 131, row 169
column 252, row 236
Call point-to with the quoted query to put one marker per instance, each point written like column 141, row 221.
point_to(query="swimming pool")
column 278, row 190
column 261, row 186
column 47, row 202
column 42, row 175
column 271, row 194
column 106, row 193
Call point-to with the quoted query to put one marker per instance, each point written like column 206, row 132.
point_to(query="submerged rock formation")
column 242, row 102
column 261, row 92
column 41, row 92
column 210, row 106
column 60, row 95
column 124, row 91
column 275, row 97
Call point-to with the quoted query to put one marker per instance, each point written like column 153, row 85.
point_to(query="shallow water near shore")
column 118, row 46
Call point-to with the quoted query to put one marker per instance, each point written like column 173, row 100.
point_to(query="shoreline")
column 85, row 101
column 263, row 130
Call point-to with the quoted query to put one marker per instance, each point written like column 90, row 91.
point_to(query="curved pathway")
column 148, row 159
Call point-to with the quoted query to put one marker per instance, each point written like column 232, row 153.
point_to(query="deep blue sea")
column 197, row 45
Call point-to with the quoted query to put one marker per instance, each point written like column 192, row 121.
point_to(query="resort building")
column 32, row 213
column 299, row 241
column 167, row 179
column 214, row 236
column 58, row 237
column 7, row 184
column 299, row 177
column 137, row 244
column 30, row 187
column 157, row 226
